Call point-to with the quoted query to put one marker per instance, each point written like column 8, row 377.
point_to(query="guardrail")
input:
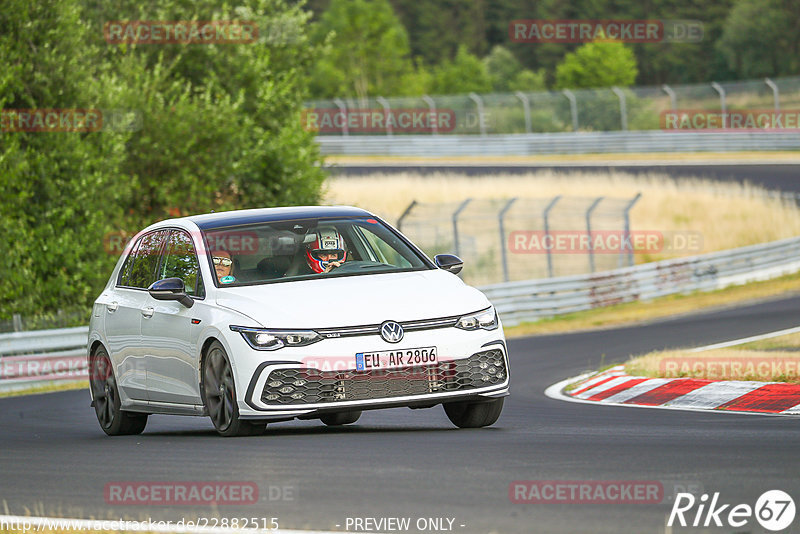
column 39, row 357
column 44, row 356
column 518, row 302
column 556, row 143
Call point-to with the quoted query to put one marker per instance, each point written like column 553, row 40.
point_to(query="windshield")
column 306, row 249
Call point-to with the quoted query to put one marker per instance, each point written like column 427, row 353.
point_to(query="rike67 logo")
column 774, row 510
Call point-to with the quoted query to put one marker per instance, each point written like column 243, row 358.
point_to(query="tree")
column 221, row 121
column 436, row 28
column 762, row 38
column 502, row 67
column 529, row 81
column 367, row 51
column 218, row 128
column 59, row 188
column 597, row 64
column 507, row 74
column 464, row 74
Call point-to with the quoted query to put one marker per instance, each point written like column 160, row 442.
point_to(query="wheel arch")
column 203, row 352
column 94, row 345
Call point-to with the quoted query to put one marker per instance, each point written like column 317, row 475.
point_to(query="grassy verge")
column 774, row 360
column 635, row 312
column 48, row 388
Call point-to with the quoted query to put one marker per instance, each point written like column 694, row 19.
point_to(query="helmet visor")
column 334, row 254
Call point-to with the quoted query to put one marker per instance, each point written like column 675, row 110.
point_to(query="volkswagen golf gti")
column 265, row 315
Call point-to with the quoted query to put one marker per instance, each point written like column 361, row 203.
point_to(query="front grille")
column 311, row 386
column 375, row 329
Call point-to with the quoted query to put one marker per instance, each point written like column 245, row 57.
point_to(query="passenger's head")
column 223, row 263
column 327, row 246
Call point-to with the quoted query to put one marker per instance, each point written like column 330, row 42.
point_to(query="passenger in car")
column 223, row 265
column 327, row 251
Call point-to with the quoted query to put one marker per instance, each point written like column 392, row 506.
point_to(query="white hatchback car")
column 273, row 314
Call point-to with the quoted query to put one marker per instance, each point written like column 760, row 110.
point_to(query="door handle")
column 112, row 307
column 148, row 312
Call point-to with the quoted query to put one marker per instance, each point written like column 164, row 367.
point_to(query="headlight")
column 263, row 339
column 486, row 319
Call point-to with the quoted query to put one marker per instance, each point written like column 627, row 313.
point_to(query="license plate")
column 390, row 359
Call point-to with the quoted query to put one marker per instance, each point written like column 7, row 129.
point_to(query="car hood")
column 354, row 300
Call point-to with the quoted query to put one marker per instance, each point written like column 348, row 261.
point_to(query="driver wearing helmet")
column 327, row 251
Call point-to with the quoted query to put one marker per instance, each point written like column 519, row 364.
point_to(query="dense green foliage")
column 599, row 64
column 446, row 38
column 217, row 127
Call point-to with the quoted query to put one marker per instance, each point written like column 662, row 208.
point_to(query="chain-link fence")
column 19, row 323
column 502, row 240
column 589, row 110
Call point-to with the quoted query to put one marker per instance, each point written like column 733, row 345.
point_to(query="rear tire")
column 474, row 414
column 105, row 399
column 341, row 418
column 219, row 395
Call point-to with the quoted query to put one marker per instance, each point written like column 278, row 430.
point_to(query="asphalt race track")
column 55, row 460
column 779, row 176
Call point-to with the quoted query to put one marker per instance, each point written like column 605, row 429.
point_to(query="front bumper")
column 287, row 390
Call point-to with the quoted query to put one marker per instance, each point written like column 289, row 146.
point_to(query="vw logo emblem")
column 391, row 332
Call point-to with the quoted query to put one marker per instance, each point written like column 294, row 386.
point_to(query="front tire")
column 220, row 395
column 340, row 418
column 105, row 399
column 474, row 414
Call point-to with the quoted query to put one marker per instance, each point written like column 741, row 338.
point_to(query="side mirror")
column 449, row 263
column 170, row 289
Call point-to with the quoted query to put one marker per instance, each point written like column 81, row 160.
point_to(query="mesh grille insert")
column 299, row 386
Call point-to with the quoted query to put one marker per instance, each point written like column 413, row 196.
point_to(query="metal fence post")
column 526, row 105
column 479, row 106
column 405, row 214
column 673, row 99
column 546, row 215
column 719, row 89
column 432, row 106
column 387, row 110
column 589, row 230
column 573, row 108
column 455, row 224
column 623, row 108
column 503, row 247
column 343, row 108
column 775, row 93
column 16, row 320
column 626, row 240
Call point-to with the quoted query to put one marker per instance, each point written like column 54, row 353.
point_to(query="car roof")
column 253, row 216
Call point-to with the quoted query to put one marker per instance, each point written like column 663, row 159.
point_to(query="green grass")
column 48, row 388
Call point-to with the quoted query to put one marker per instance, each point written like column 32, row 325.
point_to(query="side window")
column 125, row 272
column 383, row 250
column 180, row 261
column 148, row 254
